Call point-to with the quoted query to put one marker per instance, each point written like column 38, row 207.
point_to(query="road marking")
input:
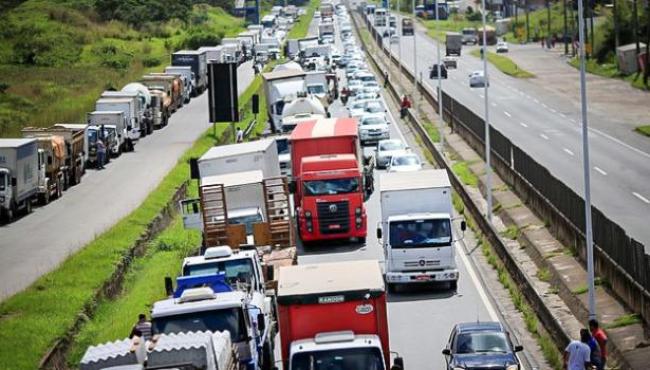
column 600, row 170
column 477, row 284
column 644, row 199
column 481, row 95
column 562, row 115
column 572, row 120
column 494, row 104
column 544, row 136
column 523, row 124
column 552, row 110
column 536, row 101
column 507, row 114
column 568, row 151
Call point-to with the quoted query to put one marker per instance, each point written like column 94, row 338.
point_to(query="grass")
column 465, row 175
column 504, row 64
column 624, row 320
column 437, row 30
column 432, row 131
column 643, row 130
column 97, row 56
column 512, row 232
column 300, row 29
column 32, row 320
column 544, row 274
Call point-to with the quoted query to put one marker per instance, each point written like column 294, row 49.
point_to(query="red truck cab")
column 333, row 315
column 328, row 180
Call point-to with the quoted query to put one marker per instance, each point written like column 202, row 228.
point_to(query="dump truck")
column 199, row 63
column 78, row 127
column 188, row 79
column 52, row 155
column 19, row 176
column 173, row 86
column 334, row 314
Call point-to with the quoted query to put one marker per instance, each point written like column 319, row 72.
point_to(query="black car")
column 433, row 74
column 481, row 345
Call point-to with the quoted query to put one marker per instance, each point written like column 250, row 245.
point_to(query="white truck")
column 326, row 29
column 140, row 106
column 302, row 109
column 416, row 228
column 128, row 106
column 249, row 156
column 149, row 107
column 19, row 176
column 278, row 86
column 188, row 79
column 117, row 119
column 233, row 47
column 317, row 83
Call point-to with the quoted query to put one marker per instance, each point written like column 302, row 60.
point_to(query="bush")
column 150, row 62
column 196, row 39
column 474, row 17
column 51, row 47
column 112, row 56
column 138, row 12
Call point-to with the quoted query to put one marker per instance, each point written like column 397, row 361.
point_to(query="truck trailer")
column 277, row 86
column 334, row 315
column 453, row 43
column 19, row 176
column 416, row 228
column 199, row 63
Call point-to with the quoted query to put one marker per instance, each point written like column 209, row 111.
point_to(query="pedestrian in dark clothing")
column 599, row 335
column 385, row 79
column 142, row 327
column 594, row 356
column 543, row 43
column 404, row 106
column 101, row 154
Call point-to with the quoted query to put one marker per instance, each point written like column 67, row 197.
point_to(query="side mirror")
column 519, row 348
column 169, row 286
column 398, row 364
column 463, row 225
column 194, row 169
column 292, row 187
column 379, row 234
column 49, row 160
column 14, row 181
column 261, row 325
column 446, row 352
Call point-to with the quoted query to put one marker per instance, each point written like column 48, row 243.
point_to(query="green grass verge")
column 512, row 232
column 610, row 70
column 437, row 30
column 625, row 320
column 643, row 130
column 432, row 131
column 504, row 64
column 461, row 169
column 300, row 29
column 32, row 320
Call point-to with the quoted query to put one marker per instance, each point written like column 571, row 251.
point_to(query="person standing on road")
column 101, row 154
column 600, row 337
column 577, row 355
column 594, row 357
column 404, row 106
column 240, row 135
column 142, row 327
column 385, row 79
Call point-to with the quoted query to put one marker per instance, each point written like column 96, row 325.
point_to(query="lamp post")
column 415, row 65
column 488, row 168
column 439, row 68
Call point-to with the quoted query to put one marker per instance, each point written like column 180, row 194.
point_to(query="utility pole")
column 647, row 44
column 439, row 68
column 415, row 63
column 527, row 23
column 615, row 19
column 400, row 48
column 548, row 21
column 488, row 168
column 585, row 164
column 635, row 24
column 566, row 34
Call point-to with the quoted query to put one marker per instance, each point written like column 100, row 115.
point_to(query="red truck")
column 333, row 316
column 329, row 183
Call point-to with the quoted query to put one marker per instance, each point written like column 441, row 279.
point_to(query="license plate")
column 334, row 227
column 423, row 278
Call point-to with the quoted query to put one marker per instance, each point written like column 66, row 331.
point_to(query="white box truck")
column 416, row 228
column 277, row 87
column 253, row 155
column 140, row 106
column 133, row 129
column 19, row 180
column 188, row 79
column 117, row 119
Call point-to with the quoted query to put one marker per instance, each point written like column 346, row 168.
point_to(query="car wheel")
column 453, row 285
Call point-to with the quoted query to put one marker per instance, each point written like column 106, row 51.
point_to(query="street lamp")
column 488, row 168
column 415, row 65
column 439, row 68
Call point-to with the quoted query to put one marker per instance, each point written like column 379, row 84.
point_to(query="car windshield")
column 374, row 108
column 339, row 359
column 3, row 180
column 316, row 89
column 468, row 32
column 231, row 319
column 372, row 121
column 92, row 136
column 391, row 145
column 331, row 187
column 247, row 220
column 420, row 233
column 358, row 105
column 237, row 270
column 482, row 342
column 406, row 160
column 370, row 84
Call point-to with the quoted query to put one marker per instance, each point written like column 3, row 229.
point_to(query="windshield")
column 230, row 319
column 339, row 359
column 372, row 121
column 482, row 342
column 391, row 145
column 331, row 187
column 3, row 181
column 405, row 161
column 247, row 220
column 420, row 233
column 316, row 89
column 92, row 136
column 468, row 32
column 238, row 270
column 283, row 146
column 374, row 108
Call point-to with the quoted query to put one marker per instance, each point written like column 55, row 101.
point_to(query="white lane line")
column 562, row 115
column 572, row 120
column 567, row 151
column 494, row 104
column 536, row 101
column 544, row 136
column 600, row 170
column 481, row 95
column 644, row 199
column 507, row 114
column 523, row 124
column 544, row 105
column 479, row 287
column 552, row 110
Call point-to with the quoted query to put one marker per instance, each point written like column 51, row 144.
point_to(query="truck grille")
column 427, row 263
column 333, row 217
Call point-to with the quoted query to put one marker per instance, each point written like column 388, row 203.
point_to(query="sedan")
column 371, row 87
column 386, row 149
column 371, row 106
column 482, row 345
column 434, row 71
column 373, row 127
column 502, row 47
column 406, row 162
column 477, row 79
column 355, row 86
column 356, row 108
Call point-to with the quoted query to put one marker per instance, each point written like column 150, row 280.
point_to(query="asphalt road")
column 547, row 127
column 37, row 243
column 420, row 317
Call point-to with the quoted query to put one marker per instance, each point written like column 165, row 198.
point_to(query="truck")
column 252, row 155
column 19, row 176
column 199, row 63
column 334, row 315
column 328, row 181
column 453, row 43
column 145, row 97
column 302, row 109
column 234, row 47
column 325, row 29
column 268, row 21
column 213, row 53
column 417, row 236
column 108, row 134
column 78, row 127
column 113, row 119
column 52, row 155
column 189, row 350
column 470, row 36
column 187, row 76
column 140, row 107
column 327, row 10
column 277, row 86
column 133, row 131
column 173, row 86
column 161, row 102
column 322, row 85
column 75, row 143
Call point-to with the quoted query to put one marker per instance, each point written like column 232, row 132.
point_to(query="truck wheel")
column 453, row 285
column 11, row 212
column 390, row 287
column 59, row 190
column 267, row 357
column 28, row 206
column 45, row 198
column 361, row 240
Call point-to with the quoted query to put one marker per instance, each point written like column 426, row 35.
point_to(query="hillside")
column 57, row 56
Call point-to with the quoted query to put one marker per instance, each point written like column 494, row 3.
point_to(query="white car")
column 394, row 39
column 477, row 79
column 386, row 149
column 373, row 127
column 359, row 96
column 364, row 76
column 371, row 106
column 405, row 162
column 316, row 14
column 371, row 87
column 356, row 108
column 355, row 86
column 502, row 47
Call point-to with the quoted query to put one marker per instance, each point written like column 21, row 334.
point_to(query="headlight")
column 2, row 199
column 513, row 367
column 307, row 214
column 357, row 211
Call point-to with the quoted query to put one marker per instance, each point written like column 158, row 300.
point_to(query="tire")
column 268, row 360
column 391, row 288
column 11, row 212
column 361, row 240
column 453, row 285
column 28, row 206
column 59, row 189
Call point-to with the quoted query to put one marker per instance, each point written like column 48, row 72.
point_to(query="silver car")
column 406, row 162
column 386, row 149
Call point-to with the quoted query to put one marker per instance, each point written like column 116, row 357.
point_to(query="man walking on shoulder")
column 600, row 337
column 577, row 354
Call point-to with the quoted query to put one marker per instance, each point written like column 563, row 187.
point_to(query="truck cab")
column 416, row 228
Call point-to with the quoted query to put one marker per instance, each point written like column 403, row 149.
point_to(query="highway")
column 39, row 242
column 420, row 317
column 547, row 127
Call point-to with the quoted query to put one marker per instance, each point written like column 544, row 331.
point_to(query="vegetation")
column 544, row 274
column 512, row 232
column 624, row 320
column 57, row 57
column 300, row 29
column 432, row 131
column 456, row 23
column 643, row 130
column 504, row 64
column 465, row 175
